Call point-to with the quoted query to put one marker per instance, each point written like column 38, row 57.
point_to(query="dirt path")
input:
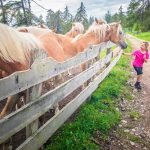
column 133, row 133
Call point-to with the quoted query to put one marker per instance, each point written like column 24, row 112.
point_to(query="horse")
column 77, row 28
column 17, row 51
column 97, row 33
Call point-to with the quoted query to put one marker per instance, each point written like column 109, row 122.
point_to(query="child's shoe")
column 138, row 86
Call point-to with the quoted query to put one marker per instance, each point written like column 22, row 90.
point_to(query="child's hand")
column 145, row 58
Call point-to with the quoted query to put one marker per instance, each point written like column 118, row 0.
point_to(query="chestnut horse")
column 77, row 28
column 97, row 33
column 16, row 52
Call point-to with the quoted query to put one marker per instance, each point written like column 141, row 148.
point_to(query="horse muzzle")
column 123, row 45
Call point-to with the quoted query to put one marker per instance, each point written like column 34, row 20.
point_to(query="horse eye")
column 120, row 32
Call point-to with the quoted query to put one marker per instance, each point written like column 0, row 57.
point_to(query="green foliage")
column 108, row 17
column 81, row 16
column 138, row 15
column 134, row 115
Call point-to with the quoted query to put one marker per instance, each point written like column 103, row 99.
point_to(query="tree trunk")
column 29, row 3
column 24, row 12
column 3, row 12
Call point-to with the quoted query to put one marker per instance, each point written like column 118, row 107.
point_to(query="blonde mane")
column 99, row 29
column 76, row 38
column 77, row 26
column 16, row 46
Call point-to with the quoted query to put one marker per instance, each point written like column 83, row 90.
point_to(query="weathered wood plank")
column 19, row 119
column 116, row 51
column 42, row 71
column 44, row 133
column 108, row 58
column 33, row 95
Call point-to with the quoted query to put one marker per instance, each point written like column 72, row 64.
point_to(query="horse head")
column 77, row 28
column 116, row 35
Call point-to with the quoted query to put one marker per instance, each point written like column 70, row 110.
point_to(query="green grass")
column 135, row 115
column 99, row 114
column 133, row 138
column 103, row 53
column 144, row 36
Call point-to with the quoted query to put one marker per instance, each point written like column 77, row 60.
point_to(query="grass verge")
column 144, row 36
column 99, row 115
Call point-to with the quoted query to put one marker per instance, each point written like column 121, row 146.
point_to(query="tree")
column 41, row 19
column 19, row 18
column 121, row 16
column 132, row 16
column 66, row 15
column 58, row 17
column 81, row 15
column 115, row 17
column 91, row 20
column 3, row 12
column 49, row 18
column 24, row 12
column 108, row 17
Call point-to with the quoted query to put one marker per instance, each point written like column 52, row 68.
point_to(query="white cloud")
column 96, row 8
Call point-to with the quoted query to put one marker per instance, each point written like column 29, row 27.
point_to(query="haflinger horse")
column 13, row 42
column 97, row 33
column 53, row 40
column 17, row 51
column 77, row 28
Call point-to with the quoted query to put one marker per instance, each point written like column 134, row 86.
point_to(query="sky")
column 96, row 8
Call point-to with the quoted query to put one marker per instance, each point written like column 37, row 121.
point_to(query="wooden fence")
column 31, row 80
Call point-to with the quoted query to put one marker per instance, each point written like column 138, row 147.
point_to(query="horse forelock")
column 119, row 27
column 16, row 46
column 99, row 30
column 78, row 26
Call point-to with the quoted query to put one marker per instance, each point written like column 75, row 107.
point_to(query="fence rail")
column 32, row 79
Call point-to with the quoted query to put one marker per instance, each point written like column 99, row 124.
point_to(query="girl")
column 141, row 56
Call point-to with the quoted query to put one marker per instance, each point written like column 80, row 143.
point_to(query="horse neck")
column 84, row 40
column 69, row 34
column 66, row 43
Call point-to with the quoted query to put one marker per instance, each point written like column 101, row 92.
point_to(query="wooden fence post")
column 32, row 95
column 107, row 52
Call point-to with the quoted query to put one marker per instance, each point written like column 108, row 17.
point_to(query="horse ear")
column 24, row 30
column 96, row 20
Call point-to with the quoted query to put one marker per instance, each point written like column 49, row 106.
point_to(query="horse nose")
column 123, row 44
